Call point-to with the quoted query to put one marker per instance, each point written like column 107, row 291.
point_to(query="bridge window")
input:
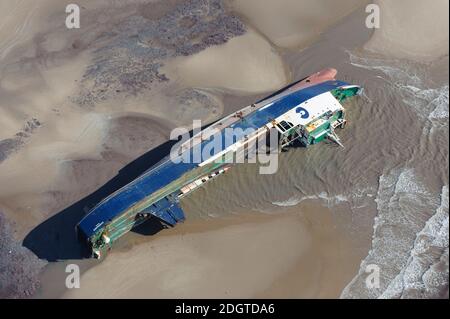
column 284, row 126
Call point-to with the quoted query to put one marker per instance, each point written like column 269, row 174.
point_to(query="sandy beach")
column 296, row 253
column 83, row 112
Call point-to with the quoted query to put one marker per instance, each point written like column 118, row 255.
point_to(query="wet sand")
column 293, row 23
column 297, row 253
column 60, row 140
column 258, row 64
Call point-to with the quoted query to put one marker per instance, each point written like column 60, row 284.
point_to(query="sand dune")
column 293, row 23
column 414, row 29
column 245, row 64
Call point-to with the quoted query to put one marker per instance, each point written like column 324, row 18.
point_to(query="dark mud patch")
column 7, row 147
column 157, row 10
column 19, row 267
column 11, row 145
column 128, row 57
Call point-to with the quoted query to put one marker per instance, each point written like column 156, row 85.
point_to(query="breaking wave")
column 410, row 232
column 330, row 200
column 409, row 241
column 425, row 274
column 429, row 103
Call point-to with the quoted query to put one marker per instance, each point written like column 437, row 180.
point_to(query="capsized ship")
column 307, row 111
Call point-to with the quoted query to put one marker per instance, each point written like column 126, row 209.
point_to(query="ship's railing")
column 217, row 127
